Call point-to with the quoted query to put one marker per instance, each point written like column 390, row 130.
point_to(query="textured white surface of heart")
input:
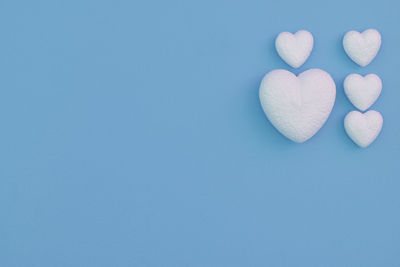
column 362, row 47
column 362, row 91
column 297, row 106
column 294, row 49
column 363, row 129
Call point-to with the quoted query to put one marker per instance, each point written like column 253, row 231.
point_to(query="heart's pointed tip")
column 298, row 140
column 363, row 145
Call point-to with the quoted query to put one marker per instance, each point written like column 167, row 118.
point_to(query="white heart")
column 294, row 49
column 363, row 128
column 297, row 106
column 362, row 47
column 362, row 91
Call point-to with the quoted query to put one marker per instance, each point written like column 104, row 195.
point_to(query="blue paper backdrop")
column 132, row 135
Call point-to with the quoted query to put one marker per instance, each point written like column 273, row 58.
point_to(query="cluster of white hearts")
column 298, row 106
column 363, row 129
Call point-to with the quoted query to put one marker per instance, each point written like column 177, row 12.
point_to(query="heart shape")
column 363, row 128
column 294, row 49
column 362, row 91
column 297, row 106
column 362, row 47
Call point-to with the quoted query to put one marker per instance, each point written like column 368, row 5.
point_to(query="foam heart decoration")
column 363, row 128
column 294, row 49
column 297, row 106
column 362, row 47
column 362, row 91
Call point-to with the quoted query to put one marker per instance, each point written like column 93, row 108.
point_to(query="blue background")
column 132, row 135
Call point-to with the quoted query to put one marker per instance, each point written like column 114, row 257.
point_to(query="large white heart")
column 362, row 91
column 297, row 106
column 363, row 128
column 294, row 49
column 362, row 47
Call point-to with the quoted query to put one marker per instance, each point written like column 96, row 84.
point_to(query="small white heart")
column 294, row 49
column 363, row 128
column 362, row 47
column 362, row 91
column 297, row 106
